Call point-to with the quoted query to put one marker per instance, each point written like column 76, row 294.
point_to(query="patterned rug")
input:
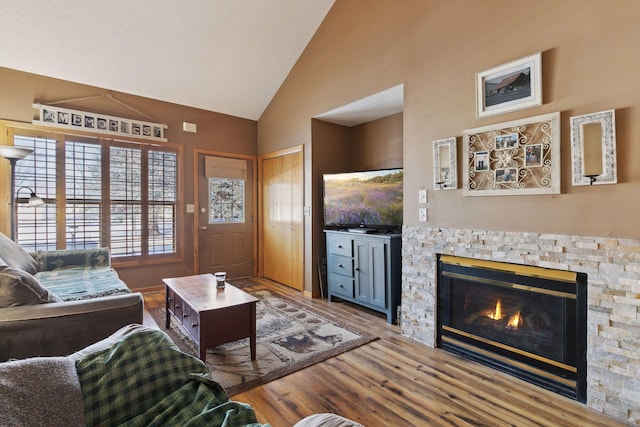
column 289, row 337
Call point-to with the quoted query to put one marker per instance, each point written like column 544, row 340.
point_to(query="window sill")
column 124, row 262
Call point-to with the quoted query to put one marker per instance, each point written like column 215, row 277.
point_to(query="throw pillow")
column 15, row 256
column 20, row 288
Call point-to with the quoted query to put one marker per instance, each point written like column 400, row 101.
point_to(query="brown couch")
column 55, row 307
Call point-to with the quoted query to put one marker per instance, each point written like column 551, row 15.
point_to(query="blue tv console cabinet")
column 365, row 269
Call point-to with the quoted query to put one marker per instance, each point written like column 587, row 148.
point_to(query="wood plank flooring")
column 395, row 381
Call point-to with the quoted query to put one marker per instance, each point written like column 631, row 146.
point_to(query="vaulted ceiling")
column 227, row 56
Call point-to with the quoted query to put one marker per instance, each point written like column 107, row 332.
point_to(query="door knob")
column 204, row 227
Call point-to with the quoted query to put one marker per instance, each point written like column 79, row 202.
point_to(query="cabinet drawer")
column 341, row 265
column 339, row 245
column 340, row 285
column 191, row 323
column 184, row 317
column 176, row 305
column 171, row 300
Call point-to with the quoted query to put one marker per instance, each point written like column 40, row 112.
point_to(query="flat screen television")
column 369, row 199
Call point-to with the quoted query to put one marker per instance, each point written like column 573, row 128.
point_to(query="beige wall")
column 216, row 132
column 590, row 63
column 377, row 144
column 331, row 153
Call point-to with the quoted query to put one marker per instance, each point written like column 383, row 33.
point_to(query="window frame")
column 12, row 129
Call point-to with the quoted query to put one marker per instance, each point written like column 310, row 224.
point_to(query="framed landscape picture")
column 509, row 87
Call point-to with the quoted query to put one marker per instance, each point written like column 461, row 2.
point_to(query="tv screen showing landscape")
column 372, row 198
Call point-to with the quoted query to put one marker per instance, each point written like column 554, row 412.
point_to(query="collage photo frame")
column 513, row 158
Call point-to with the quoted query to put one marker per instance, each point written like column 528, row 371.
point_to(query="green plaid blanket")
column 144, row 380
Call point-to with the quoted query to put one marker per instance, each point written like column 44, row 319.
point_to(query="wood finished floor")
column 395, row 381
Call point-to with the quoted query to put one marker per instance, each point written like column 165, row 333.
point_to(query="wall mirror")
column 593, row 148
column 445, row 174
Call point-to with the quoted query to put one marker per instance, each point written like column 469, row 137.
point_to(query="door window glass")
column 226, row 200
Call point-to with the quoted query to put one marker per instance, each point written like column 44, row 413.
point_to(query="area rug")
column 289, row 337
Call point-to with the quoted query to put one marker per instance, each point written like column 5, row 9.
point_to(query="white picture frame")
column 513, row 86
column 593, row 149
column 445, row 172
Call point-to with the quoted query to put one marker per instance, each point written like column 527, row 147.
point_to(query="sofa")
column 135, row 377
column 53, row 303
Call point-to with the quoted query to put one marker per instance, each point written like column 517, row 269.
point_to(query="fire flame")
column 497, row 314
column 515, row 321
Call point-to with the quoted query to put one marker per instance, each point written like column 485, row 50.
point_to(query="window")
column 226, row 178
column 126, row 200
column 98, row 193
column 226, row 200
column 83, row 192
column 36, row 226
column 162, row 201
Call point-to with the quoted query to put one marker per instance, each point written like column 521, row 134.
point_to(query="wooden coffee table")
column 211, row 316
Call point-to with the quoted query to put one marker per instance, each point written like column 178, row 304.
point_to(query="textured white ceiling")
column 372, row 107
column 227, row 56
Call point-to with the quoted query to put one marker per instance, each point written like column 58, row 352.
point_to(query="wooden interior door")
column 282, row 218
column 225, row 245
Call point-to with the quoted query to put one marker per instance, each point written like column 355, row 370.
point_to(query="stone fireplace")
column 527, row 321
column 612, row 266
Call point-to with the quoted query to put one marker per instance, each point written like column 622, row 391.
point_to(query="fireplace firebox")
column 527, row 321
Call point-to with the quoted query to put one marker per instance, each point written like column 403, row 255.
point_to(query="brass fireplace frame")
column 563, row 378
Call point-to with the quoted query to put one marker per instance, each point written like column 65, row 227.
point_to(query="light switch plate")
column 422, row 195
column 422, row 214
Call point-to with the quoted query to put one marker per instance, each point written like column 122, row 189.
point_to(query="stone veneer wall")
column 613, row 313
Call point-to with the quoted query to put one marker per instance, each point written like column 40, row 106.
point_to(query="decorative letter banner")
column 99, row 123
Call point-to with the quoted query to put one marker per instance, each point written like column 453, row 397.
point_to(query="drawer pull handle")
column 339, row 246
column 185, row 315
column 356, row 269
column 193, row 325
column 169, row 299
column 340, row 266
column 340, row 285
column 177, row 305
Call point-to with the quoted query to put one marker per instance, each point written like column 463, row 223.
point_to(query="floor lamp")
column 13, row 154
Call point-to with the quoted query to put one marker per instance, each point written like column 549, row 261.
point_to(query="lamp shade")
column 14, row 153
column 35, row 201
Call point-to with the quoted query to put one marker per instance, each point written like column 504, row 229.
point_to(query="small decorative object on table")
column 221, row 277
